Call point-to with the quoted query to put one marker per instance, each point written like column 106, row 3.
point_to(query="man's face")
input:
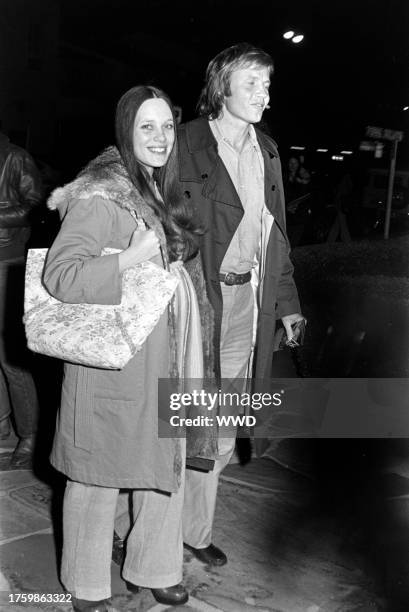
column 249, row 94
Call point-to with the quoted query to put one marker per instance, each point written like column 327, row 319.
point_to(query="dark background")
column 64, row 64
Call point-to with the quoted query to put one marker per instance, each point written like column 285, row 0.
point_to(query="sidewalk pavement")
column 285, row 553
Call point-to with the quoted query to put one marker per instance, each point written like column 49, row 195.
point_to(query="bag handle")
column 141, row 224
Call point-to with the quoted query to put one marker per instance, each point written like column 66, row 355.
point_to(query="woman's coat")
column 107, row 427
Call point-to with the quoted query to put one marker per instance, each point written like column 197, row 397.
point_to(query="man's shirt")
column 246, row 170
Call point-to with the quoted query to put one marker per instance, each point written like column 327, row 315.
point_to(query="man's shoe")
column 22, row 456
column 171, row 596
column 5, row 428
column 210, row 555
column 85, row 605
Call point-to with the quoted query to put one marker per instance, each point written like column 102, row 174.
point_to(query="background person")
column 107, row 430
column 20, row 194
column 297, row 197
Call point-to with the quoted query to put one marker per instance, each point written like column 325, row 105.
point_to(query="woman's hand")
column 144, row 245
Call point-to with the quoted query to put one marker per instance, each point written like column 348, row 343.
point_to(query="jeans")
column 17, row 389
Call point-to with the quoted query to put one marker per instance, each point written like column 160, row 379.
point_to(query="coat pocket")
column 116, row 419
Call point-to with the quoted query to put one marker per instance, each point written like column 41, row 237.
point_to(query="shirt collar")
column 220, row 136
column 199, row 136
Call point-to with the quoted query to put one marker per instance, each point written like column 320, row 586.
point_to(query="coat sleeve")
column 25, row 184
column 75, row 272
column 30, row 187
column 287, row 294
column 287, row 302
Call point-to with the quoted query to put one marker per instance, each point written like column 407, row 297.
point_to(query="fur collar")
column 106, row 177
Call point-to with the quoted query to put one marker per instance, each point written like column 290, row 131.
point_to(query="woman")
column 106, row 436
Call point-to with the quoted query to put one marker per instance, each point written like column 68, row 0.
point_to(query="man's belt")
column 231, row 278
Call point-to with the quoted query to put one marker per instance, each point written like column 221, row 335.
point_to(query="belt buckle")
column 230, row 278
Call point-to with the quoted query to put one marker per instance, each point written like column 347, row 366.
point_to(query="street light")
column 291, row 35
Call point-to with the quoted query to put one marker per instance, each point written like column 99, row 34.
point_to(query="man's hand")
column 289, row 320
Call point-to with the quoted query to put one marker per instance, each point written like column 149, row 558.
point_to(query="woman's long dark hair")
column 175, row 215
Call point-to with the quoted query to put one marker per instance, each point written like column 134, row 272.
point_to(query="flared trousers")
column 154, row 548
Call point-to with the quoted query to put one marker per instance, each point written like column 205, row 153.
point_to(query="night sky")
column 350, row 71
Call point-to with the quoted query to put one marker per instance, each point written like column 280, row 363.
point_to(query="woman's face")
column 153, row 133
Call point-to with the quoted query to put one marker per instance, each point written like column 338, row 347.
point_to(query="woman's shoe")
column 171, row 596
column 85, row 605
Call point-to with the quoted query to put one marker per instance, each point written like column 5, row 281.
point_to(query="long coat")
column 208, row 186
column 107, row 431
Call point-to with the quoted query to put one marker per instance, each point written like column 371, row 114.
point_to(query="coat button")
column 273, row 188
column 204, row 175
column 186, row 194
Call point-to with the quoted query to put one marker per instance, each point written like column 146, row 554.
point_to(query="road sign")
column 383, row 133
column 372, row 145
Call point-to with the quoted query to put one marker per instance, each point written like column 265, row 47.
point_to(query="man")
column 231, row 173
column 20, row 193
